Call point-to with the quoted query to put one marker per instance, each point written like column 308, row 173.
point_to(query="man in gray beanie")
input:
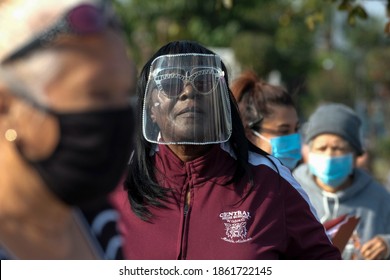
column 336, row 186
column 336, row 119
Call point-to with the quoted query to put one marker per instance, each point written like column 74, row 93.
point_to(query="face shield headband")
column 186, row 101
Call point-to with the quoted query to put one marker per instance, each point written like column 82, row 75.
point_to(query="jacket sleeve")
column 306, row 236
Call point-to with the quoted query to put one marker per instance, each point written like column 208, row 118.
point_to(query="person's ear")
column 7, row 130
column 154, row 107
column 153, row 113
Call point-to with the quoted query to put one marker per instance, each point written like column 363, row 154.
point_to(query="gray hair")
column 28, row 78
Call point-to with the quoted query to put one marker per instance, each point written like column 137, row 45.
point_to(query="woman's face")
column 93, row 74
column 282, row 120
column 186, row 102
column 182, row 118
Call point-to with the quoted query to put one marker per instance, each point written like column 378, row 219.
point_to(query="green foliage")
column 353, row 9
column 332, row 81
column 383, row 148
column 265, row 35
column 252, row 50
column 378, row 61
column 381, row 156
column 151, row 24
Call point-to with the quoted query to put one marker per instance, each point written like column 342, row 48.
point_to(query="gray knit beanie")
column 336, row 119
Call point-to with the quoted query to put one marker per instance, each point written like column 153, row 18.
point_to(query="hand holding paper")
column 340, row 229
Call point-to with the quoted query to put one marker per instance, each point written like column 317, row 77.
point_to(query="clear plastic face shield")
column 186, row 101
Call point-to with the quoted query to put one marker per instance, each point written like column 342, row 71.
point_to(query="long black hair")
column 141, row 185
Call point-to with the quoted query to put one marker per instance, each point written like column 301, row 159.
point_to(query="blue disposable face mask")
column 286, row 148
column 332, row 171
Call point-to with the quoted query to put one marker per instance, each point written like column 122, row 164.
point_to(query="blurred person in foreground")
column 196, row 187
column 336, row 186
column 65, row 123
column 270, row 117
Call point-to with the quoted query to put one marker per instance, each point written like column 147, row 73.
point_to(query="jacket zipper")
column 183, row 246
column 186, row 210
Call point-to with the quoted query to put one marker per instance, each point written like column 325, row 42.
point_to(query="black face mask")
column 91, row 156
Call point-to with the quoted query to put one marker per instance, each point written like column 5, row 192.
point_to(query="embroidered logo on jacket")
column 235, row 226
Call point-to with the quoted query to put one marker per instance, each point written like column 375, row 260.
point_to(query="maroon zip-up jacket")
column 221, row 221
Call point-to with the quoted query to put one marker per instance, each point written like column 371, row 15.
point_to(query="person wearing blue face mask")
column 334, row 183
column 270, row 117
column 287, row 148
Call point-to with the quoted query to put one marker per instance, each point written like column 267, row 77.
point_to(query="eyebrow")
column 285, row 125
column 333, row 145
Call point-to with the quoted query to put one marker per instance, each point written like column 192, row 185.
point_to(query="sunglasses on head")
column 81, row 20
column 172, row 81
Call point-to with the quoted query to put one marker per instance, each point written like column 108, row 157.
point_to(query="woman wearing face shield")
column 270, row 118
column 196, row 187
column 337, row 187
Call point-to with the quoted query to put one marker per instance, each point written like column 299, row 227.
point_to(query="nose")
column 328, row 152
column 188, row 91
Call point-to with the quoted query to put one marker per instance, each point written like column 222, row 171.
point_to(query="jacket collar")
column 216, row 165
